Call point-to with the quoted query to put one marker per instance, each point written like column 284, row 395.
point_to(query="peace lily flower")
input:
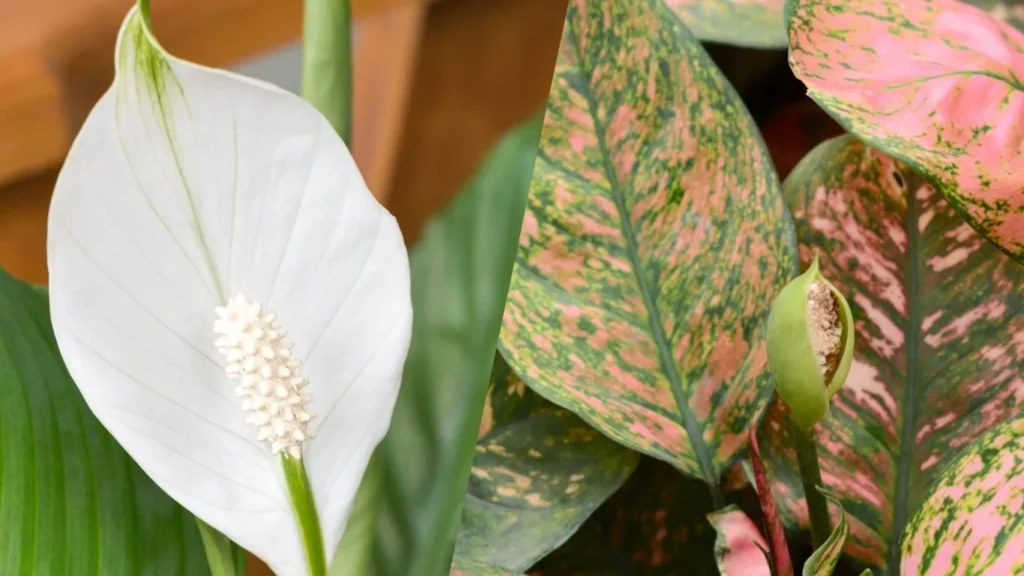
column 230, row 299
column 810, row 345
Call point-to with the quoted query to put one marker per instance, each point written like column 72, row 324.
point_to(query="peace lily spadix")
column 229, row 297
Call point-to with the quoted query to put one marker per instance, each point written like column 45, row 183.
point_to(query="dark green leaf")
column 536, row 477
column 460, row 273
column 72, row 502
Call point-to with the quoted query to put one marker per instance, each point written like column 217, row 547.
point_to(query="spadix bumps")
column 270, row 385
column 810, row 345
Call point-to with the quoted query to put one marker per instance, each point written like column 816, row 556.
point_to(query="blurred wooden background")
column 437, row 83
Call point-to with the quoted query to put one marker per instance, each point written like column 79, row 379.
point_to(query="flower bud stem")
column 810, row 476
column 301, row 495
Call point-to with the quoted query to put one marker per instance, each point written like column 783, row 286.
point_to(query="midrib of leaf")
column 648, row 292
column 912, row 336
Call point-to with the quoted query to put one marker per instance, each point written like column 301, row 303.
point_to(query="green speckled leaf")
column 973, row 520
column 939, row 354
column 72, row 502
column 655, row 525
column 537, row 475
column 934, row 83
column 654, row 239
column 752, row 23
column 466, row 567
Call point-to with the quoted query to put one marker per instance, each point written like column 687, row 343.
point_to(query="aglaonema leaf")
column 467, row 567
column 934, row 83
column 71, row 499
column 654, row 238
column 755, row 24
column 741, row 549
column 1009, row 11
column 460, row 272
column 537, row 475
column 972, row 521
column 654, row 525
column 939, row 341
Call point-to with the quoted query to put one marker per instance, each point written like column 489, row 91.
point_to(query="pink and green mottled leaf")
column 781, row 561
column 537, row 475
column 939, row 347
column 467, row 567
column 934, row 83
column 654, row 238
column 740, row 549
column 751, row 23
column 973, row 520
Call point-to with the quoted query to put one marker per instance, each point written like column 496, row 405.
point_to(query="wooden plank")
column 61, row 53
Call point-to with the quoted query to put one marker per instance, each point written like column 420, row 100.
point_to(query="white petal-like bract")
column 185, row 187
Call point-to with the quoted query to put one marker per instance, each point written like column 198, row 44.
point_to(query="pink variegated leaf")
column 1009, row 11
column 752, row 23
column 934, row 83
column 939, row 341
column 973, row 519
column 654, row 239
column 739, row 546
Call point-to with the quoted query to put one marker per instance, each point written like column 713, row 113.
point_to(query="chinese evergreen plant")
column 660, row 403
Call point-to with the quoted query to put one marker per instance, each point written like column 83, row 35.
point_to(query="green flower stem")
column 810, row 476
column 219, row 552
column 327, row 62
column 301, row 496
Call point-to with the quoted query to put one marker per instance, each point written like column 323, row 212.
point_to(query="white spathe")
column 185, row 187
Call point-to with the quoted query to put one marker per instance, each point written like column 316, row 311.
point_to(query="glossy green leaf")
column 327, row 62
column 752, row 23
column 460, row 272
column 939, row 341
column 654, row 240
column 654, row 525
column 973, row 519
column 72, row 502
column 535, row 479
column 465, row 567
column 934, row 83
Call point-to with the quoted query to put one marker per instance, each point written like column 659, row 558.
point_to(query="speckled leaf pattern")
column 740, row 549
column 934, row 83
column 654, row 238
column 537, row 475
column 655, row 525
column 466, row 567
column 939, row 347
column 751, row 23
column 973, row 521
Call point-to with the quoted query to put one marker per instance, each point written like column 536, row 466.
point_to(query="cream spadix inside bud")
column 810, row 345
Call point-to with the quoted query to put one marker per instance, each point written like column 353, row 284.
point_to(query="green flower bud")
column 810, row 345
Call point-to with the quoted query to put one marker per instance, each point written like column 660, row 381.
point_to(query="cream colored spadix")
column 186, row 188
